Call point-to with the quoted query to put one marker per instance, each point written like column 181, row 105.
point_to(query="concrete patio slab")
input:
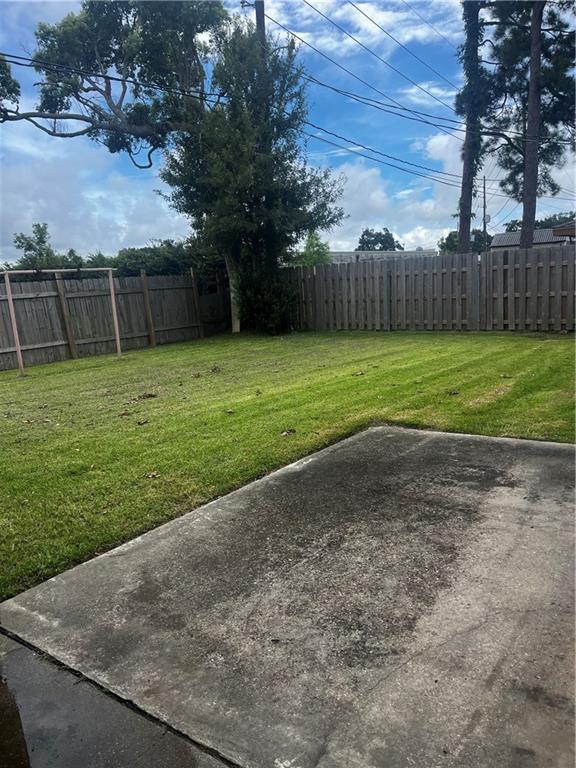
column 403, row 598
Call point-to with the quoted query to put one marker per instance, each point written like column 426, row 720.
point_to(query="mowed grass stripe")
column 74, row 457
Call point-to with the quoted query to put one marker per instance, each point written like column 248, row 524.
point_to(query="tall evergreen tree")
column 241, row 176
column 472, row 103
column 533, row 128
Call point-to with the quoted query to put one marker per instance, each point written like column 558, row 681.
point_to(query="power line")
column 59, row 67
column 433, row 28
column 352, row 151
column 404, row 47
column 51, row 66
column 378, row 152
column 383, row 162
column 395, row 104
column 365, row 100
column 345, row 69
column 377, row 56
column 27, row 61
column 73, row 70
column 370, row 102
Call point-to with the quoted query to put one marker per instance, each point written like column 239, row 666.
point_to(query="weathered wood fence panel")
column 58, row 319
column 516, row 289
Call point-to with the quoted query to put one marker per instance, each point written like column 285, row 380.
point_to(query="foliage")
column 131, row 75
column 153, row 50
column 211, row 432
column 160, row 257
column 315, row 252
column 374, row 240
column 38, row 253
column 241, row 176
column 9, row 87
column 449, row 244
column 510, row 51
column 476, row 98
column 547, row 222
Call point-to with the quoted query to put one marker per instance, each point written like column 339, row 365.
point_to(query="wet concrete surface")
column 403, row 598
column 51, row 718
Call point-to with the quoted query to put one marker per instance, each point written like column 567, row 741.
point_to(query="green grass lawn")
column 89, row 461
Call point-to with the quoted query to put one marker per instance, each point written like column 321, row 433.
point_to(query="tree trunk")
column 232, row 269
column 530, row 185
column 472, row 141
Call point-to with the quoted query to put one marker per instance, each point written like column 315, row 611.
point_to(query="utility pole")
column 484, row 230
column 260, row 20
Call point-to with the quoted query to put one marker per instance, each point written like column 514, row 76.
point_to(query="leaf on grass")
column 359, row 373
column 151, row 475
column 230, row 410
column 287, row 432
column 143, row 396
column 216, row 368
column 142, row 422
column 453, row 392
column 125, row 413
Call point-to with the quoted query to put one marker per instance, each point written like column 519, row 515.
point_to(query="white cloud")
column 428, row 93
column 87, row 200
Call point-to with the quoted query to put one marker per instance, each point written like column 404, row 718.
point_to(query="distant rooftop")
column 511, row 239
column 345, row 257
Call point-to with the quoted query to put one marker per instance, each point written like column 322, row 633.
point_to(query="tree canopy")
column 518, row 98
column 132, row 76
column 241, row 175
column 450, row 243
column 509, row 49
column 38, row 253
column 378, row 240
column 315, row 253
column 547, row 222
column 128, row 74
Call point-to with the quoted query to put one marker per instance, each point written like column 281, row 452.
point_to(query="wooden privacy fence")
column 516, row 289
column 62, row 318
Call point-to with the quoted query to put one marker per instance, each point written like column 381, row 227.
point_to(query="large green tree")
column 518, row 97
column 533, row 47
column 241, row 175
column 128, row 74
column 132, row 75
column 378, row 240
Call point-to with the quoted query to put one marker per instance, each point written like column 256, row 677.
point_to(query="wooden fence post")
column 148, row 308
column 114, row 313
column 66, row 321
column 196, row 304
column 14, row 325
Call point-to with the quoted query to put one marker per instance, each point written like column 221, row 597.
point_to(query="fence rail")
column 62, row 318
column 516, row 289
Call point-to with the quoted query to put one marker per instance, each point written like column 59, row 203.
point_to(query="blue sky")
column 92, row 200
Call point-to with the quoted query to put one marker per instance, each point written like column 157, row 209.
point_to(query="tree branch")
column 507, row 139
column 114, row 126
column 138, row 165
